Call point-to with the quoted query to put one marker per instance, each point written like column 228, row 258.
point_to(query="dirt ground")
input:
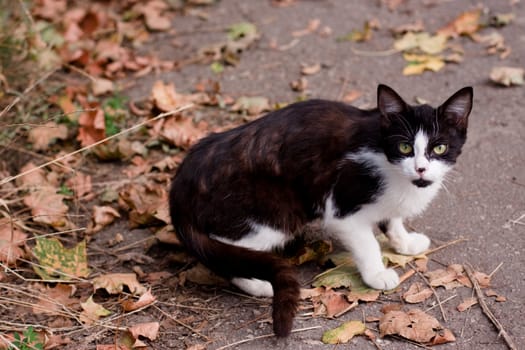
column 484, row 200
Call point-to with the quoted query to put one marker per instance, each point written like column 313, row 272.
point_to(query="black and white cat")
column 241, row 193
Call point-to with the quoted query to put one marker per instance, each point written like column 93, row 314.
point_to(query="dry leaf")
column 466, row 304
column 332, row 304
column 148, row 330
column 465, row 24
column 92, row 311
column 92, row 125
column 419, row 63
column 199, row 274
column 344, row 333
column 54, row 300
column 143, row 202
column 114, row 283
column 101, row 86
column 507, row 76
column 34, row 179
column 417, row 293
column 47, row 207
column 351, row 96
column 81, row 184
column 252, row 105
column 299, row 85
column 426, row 43
column 182, row 131
column 42, row 136
column 310, row 69
column 417, row 26
column 12, row 242
column 166, row 98
column 57, row 262
column 144, row 300
column 102, row 216
column 313, row 25
column 414, row 325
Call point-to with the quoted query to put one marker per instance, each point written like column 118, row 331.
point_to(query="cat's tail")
column 232, row 261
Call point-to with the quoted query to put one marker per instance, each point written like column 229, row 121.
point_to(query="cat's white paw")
column 415, row 244
column 383, row 280
column 255, row 287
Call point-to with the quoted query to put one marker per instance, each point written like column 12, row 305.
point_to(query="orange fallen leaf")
column 466, row 304
column 42, row 136
column 311, row 69
column 144, row 300
column 35, row 179
column 12, row 242
column 465, row 24
column 417, row 293
column 92, row 125
column 181, row 131
column 415, row 325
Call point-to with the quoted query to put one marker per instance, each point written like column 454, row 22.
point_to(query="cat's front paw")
column 415, row 244
column 383, row 280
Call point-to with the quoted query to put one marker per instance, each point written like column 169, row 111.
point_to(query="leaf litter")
column 85, row 43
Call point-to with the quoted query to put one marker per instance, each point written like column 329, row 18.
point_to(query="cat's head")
column 423, row 141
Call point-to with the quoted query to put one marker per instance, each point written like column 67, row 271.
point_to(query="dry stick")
column 432, row 289
column 162, row 115
column 446, row 245
column 26, row 91
column 264, row 336
column 182, row 323
column 486, row 310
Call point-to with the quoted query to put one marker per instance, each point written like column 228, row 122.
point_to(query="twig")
column 264, row 336
column 443, row 302
column 182, row 323
column 446, row 245
column 486, row 310
column 432, row 289
column 162, row 115
column 496, row 269
column 25, row 92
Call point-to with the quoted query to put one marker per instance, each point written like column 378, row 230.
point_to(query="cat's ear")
column 389, row 102
column 457, row 108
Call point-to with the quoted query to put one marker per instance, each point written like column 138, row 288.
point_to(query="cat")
column 241, row 193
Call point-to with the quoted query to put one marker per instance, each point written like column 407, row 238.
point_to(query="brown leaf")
column 413, row 324
column 12, row 242
column 450, row 278
column 143, row 202
column 313, row 25
column 153, row 12
column 92, row 125
column 148, row 330
column 181, row 131
column 91, row 311
column 417, row 293
column 144, row 300
column 81, row 184
column 299, row 85
column 465, row 24
column 42, row 136
column 166, row 98
column 101, row 86
column 344, row 333
column 114, row 283
column 351, row 96
column 102, row 216
column 466, row 304
column 252, row 105
column 47, row 207
column 199, row 274
column 54, row 300
column 507, row 76
column 34, row 179
column 310, row 69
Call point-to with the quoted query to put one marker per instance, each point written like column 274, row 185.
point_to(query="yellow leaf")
column 419, row 63
column 344, row 332
column 55, row 261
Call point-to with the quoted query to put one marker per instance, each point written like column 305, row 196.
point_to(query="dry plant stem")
column 160, row 116
column 443, row 302
column 496, row 269
column 264, row 336
column 182, row 323
column 26, row 91
column 486, row 310
column 446, row 245
column 432, row 289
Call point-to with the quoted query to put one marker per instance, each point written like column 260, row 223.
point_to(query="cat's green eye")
column 440, row 149
column 405, row 148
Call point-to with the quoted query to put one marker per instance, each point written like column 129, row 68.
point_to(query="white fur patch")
column 253, row 286
column 262, row 238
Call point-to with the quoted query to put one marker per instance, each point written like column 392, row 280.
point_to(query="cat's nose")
column 421, row 171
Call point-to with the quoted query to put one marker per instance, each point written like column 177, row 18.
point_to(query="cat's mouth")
column 422, row 182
